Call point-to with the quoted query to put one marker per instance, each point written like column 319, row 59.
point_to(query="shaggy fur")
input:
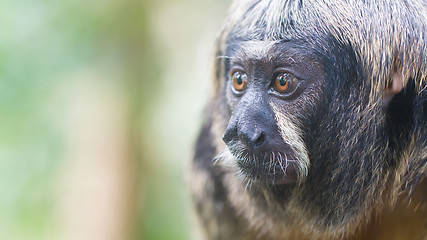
column 362, row 158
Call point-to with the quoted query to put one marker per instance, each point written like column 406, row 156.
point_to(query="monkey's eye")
column 284, row 83
column 240, row 81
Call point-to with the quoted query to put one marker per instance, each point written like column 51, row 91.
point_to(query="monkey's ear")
column 393, row 87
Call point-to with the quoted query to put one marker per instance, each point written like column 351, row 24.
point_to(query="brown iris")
column 240, row 81
column 284, row 82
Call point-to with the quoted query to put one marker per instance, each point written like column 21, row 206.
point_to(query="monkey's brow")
column 286, row 58
column 255, row 50
column 267, row 51
column 223, row 57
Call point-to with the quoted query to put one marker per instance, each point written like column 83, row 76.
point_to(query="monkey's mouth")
column 275, row 173
column 272, row 168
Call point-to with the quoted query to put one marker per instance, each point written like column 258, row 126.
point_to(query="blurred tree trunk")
column 100, row 196
column 98, row 189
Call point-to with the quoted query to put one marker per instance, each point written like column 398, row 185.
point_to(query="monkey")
column 317, row 123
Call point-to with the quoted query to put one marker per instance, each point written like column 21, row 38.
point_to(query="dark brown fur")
column 367, row 145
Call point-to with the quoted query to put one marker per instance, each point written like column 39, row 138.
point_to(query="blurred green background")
column 100, row 103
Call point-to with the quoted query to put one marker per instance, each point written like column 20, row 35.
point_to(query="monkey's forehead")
column 292, row 52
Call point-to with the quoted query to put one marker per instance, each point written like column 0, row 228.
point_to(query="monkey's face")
column 270, row 87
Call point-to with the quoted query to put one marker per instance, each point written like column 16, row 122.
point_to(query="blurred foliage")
column 156, row 54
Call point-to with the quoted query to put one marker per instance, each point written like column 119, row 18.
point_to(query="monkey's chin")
column 266, row 176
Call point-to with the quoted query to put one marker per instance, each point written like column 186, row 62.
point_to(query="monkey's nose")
column 248, row 136
column 252, row 139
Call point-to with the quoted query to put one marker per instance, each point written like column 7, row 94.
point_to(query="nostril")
column 259, row 141
column 228, row 135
